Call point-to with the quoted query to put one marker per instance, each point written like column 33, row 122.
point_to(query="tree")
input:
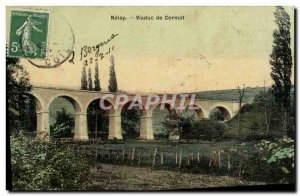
column 266, row 101
column 90, row 81
column 28, row 117
column 97, row 80
column 171, row 123
column 83, row 78
column 241, row 95
column 64, row 123
column 130, row 122
column 17, row 85
column 113, row 86
column 216, row 115
column 281, row 62
column 186, row 124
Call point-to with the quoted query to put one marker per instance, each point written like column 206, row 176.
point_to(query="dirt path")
column 115, row 177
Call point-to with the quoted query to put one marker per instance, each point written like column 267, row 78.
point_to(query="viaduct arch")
column 81, row 99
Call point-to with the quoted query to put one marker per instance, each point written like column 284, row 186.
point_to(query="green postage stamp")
column 28, row 34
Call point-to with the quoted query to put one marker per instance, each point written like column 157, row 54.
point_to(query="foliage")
column 219, row 130
column 265, row 98
column 274, row 161
column 191, row 128
column 131, row 122
column 281, row 61
column 246, row 108
column 28, row 117
column 84, row 82
column 203, row 129
column 280, row 153
column 90, row 81
column 17, row 81
column 97, row 80
column 281, row 58
column 61, row 130
column 266, row 104
column 171, row 123
column 63, row 126
column 209, row 129
column 217, row 115
column 113, row 85
column 97, row 120
column 256, row 117
column 163, row 133
column 186, row 126
column 45, row 166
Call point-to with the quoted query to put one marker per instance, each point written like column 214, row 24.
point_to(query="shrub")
column 216, row 115
column 204, row 128
column 186, row 126
column 64, row 123
column 213, row 129
column 45, row 166
column 130, row 122
column 207, row 130
column 219, row 130
column 247, row 108
column 61, row 130
column 171, row 123
column 191, row 128
column 274, row 161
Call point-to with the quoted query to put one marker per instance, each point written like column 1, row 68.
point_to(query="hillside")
column 230, row 94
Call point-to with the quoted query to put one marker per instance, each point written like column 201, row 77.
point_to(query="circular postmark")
column 60, row 46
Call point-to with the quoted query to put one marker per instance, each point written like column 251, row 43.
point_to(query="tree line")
column 87, row 81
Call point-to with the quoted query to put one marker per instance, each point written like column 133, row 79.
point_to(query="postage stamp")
column 28, row 34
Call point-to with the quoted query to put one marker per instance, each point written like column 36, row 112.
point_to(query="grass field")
column 204, row 147
column 202, row 157
column 137, row 172
column 117, row 177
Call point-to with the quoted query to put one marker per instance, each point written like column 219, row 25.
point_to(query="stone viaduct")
column 81, row 99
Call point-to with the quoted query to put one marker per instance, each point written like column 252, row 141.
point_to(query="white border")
column 155, row 2
column 114, row 3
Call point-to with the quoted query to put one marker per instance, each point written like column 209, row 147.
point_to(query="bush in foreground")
column 275, row 161
column 45, row 166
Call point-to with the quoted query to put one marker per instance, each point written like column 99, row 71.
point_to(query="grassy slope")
column 247, row 124
column 230, row 94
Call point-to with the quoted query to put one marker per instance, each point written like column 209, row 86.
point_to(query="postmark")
column 28, row 34
column 60, row 45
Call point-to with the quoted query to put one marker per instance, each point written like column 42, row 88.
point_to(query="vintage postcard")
column 159, row 98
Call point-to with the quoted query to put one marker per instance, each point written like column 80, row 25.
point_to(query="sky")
column 213, row 48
